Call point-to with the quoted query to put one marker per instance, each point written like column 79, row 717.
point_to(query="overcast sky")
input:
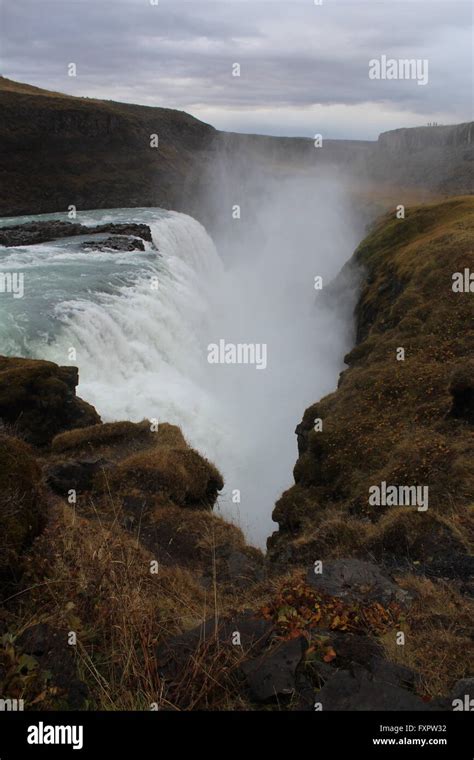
column 304, row 67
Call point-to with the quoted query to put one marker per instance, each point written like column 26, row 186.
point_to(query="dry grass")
column 180, row 472
column 22, row 500
column 115, row 440
column 95, row 579
column 438, row 635
column 95, row 437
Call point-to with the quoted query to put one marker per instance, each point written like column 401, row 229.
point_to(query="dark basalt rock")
column 273, row 674
column 352, row 648
column 130, row 229
column 174, row 654
column 392, row 673
column 462, row 689
column 356, row 580
column 361, row 691
column 116, row 243
column 33, row 233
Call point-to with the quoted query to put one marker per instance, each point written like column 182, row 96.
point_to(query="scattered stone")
column 360, row 691
column 273, row 674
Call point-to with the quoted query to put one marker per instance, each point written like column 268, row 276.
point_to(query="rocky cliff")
column 94, row 154
column 438, row 158
column 402, row 412
column 99, row 154
column 399, row 141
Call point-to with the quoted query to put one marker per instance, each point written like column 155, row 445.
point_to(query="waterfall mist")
column 292, row 228
column 143, row 352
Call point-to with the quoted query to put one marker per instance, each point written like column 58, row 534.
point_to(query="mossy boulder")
column 115, row 439
column 38, row 399
column 178, row 472
column 138, row 463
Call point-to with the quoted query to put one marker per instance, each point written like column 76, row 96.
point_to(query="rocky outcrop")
column 163, row 492
column 399, row 141
column 151, row 468
column 435, row 158
column 354, row 579
column 38, row 399
column 33, row 233
column 116, row 519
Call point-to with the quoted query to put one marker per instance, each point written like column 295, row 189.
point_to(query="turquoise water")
column 59, row 275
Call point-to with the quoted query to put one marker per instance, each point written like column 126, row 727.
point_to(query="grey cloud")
column 293, row 54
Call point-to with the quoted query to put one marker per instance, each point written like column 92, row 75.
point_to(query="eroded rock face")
column 94, row 153
column 38, row 399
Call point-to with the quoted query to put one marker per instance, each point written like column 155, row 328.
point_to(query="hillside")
column 96, row 154
column 399, row 421
column 402, row 422
column 109, row 531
